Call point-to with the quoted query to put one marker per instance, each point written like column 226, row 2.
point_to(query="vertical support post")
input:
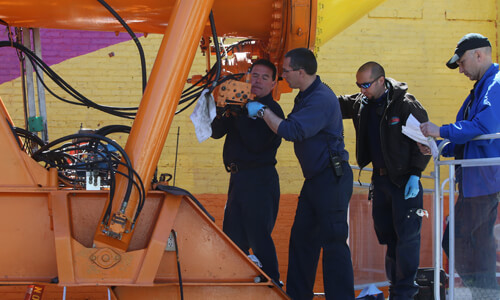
column 451, row 232
column 437, row 229
column 30, row 85
column 42, row 108
column 158, row 105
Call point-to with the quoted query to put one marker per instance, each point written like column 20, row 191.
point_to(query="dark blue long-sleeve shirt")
column 249, row 142
column 315, row 126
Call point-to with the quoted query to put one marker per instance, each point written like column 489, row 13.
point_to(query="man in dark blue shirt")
column 254, row 191
column 315, row 127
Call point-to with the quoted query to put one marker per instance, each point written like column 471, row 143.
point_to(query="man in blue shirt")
column 479, row 187
column 250, row 155
column 315, row 127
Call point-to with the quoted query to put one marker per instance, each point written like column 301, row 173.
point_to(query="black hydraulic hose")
column 190, row 94
column 134, row 37
column 118, row 111
column 217, row 51
column 128, row 163
column 113, row 129
column 141, row 190
column 174, row 234
column 207, row 77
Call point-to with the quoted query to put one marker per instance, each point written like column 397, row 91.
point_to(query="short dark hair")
column 376, row 69
column 303, row 58
column 267, row 63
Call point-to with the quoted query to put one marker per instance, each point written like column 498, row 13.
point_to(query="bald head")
column 375, row 69
column 370, row 78
column 475, row 62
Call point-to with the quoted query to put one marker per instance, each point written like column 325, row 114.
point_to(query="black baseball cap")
column 467, row 42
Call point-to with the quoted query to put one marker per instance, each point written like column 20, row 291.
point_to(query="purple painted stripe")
column 57, row 46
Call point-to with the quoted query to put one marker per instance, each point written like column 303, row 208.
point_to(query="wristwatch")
column 260, row 112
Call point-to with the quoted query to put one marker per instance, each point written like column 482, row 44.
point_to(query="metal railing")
column 366, row 185
column 438, row 213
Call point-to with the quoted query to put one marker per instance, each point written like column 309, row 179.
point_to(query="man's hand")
column 412, row 188
column 429, row 129
column 425, row 150
column 253, row 107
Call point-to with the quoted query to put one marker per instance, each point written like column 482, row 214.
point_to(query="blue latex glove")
column 412, row 188
column 253, row 107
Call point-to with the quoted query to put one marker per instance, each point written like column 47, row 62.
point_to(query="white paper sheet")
column 412, row 130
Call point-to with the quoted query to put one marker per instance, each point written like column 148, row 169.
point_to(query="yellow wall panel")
column 399, row 9
column 479, row 10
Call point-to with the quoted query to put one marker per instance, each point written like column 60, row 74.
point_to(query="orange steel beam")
column 157, row 108
column 56, row 242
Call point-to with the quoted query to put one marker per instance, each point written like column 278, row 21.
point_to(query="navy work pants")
column 475, row 245
column 321, row 222
column 250, row 214
column 398, row 226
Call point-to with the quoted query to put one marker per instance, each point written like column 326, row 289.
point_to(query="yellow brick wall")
column 411, row 39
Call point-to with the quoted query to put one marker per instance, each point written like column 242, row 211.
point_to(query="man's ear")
column 301, row 72
column 382, row 79
column 478, row 54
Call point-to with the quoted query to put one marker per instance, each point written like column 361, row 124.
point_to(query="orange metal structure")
column 49, row 231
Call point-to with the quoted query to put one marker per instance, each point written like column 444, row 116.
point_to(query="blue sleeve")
column 486, row 119
column 448, row 150
column 313, row 116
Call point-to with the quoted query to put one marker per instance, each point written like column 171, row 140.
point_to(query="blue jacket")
column 315, row 126
column 483, row 118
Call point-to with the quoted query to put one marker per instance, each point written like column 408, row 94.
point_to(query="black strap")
column 182, row 192
column 235, row 167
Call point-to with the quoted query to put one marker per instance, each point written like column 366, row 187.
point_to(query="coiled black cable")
column 102, row 159
column 82, row 100
column 134, row 37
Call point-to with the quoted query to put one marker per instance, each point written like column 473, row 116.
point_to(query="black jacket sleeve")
column 219, row 126
column 418, row 160
column 349, row 105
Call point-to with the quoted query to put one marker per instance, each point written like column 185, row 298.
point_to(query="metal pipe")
column 437, row 229
column 451, row 232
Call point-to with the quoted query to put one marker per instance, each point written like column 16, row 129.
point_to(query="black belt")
column 380, row 171
column 236, row 167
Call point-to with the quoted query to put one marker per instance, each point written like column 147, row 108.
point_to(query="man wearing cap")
column 479, row 187
column 378, row 112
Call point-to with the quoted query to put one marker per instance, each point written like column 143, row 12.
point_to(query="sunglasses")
column 366, row 85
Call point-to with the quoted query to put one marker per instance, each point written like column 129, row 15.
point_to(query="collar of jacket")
column 478, row 86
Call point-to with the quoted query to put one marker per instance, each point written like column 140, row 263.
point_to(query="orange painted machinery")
column 135, row 242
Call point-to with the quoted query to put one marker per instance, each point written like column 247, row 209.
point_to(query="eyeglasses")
column 366, row 85
column 286, row 71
